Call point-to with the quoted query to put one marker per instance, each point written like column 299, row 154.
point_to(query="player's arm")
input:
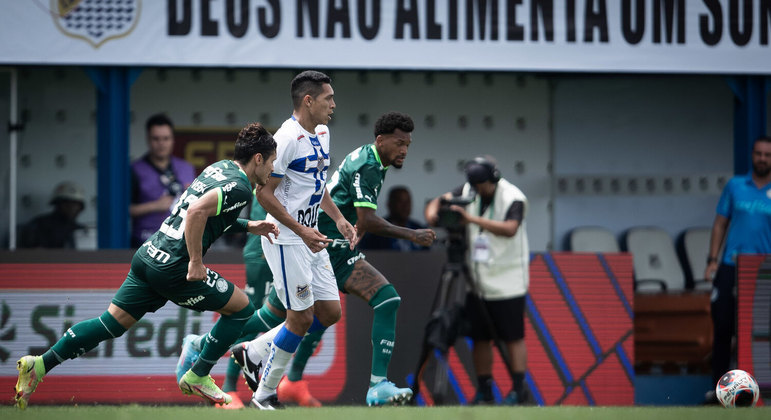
column 719, row 228
column 343, row 225
column 195, row 222
column 369, row 221
column 267, row 199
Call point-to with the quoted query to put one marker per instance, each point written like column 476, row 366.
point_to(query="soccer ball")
column 737, row 388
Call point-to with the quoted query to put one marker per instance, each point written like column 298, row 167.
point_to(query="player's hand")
column 348, row 231
column 261, row 227
column 424, row 237
column 709, row 272
column 314, row 239
column 196, row 271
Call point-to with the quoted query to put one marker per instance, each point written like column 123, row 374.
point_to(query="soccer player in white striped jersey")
column 302, row 272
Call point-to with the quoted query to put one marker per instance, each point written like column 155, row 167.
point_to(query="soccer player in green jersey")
column 354, row 188
column 169, row 267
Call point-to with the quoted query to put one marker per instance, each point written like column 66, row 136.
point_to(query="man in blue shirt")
column 744, row 214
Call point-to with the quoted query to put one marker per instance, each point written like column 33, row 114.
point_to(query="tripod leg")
column 440, row 303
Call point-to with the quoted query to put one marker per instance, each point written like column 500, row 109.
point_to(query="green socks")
column 218, row 341
column 304, row 352
column 385, row 304
column 82, row 338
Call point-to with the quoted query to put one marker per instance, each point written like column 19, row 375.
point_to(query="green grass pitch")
column 385, row 413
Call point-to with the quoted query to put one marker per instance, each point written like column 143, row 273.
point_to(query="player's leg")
column 213, row 294
column 248, row 355
column 370, row 285
column 259, row 282
column 291, row 266
column 134, row 295
column 327, row 311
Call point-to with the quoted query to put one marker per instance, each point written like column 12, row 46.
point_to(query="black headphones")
column 493, row 174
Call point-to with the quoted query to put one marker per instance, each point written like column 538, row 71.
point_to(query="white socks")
column 275, row 366
column 260, row 346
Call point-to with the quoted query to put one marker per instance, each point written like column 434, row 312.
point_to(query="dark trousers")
column 723, row 309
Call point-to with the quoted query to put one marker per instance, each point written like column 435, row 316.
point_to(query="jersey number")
column 177, row 217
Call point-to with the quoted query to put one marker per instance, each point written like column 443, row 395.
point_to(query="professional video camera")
column 456, row 231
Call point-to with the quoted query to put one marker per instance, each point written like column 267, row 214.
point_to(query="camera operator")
column 498, row 254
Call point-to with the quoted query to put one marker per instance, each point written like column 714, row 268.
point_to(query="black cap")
column 476, row 173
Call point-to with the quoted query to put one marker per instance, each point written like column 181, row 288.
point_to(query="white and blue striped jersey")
column 302, row 160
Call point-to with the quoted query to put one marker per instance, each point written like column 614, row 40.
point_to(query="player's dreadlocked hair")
column 390, row 121
column 309, row 82
column 253, row 139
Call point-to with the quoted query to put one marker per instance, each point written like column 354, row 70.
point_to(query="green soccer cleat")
column 204, row 387
column 31, row 372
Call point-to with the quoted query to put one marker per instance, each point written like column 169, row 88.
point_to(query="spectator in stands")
column 399, row 210
column 744, row 221
column 56, row 229
column 499, row 259
column 158, row 179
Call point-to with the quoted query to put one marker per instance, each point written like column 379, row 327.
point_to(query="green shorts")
column 343, row 259
column 259, row 280
column 147, row 290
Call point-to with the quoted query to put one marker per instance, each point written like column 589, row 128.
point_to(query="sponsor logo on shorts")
column 352, row 260
column 192, row 301
column 222, row 286
column 303, row 292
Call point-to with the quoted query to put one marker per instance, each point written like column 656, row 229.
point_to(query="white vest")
column 507, row 273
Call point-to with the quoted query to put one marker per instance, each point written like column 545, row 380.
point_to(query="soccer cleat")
column 204, row 387
column 251, row 370
column 235, row 404
column 269, row 403
column 296, row 392
column 31, row 372
column 386, row 392
column 187, row 356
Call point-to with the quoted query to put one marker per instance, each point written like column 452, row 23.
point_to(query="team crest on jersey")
column 96, row 21
column 768, row 193
column 303, row 292
column 222, row 286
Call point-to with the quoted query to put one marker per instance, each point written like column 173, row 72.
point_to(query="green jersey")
column 253, row 247
column 356, row 183
column 166, row 250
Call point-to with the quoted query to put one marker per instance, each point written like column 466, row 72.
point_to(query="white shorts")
column 300, row 277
